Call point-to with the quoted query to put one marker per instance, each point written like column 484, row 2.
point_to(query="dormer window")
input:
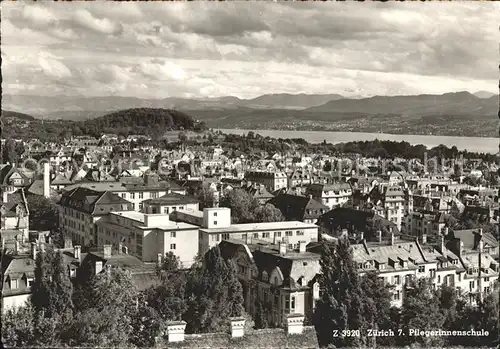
column 13, row 284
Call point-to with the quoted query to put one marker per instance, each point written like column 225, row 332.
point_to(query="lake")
column 472, row 144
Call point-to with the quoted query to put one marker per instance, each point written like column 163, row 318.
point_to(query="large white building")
column 145, row 236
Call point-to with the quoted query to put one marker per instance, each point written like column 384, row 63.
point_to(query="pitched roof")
column 294, row 207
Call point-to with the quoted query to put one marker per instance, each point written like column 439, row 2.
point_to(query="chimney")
column 98, row 267
column 5, row 195
column 480, row 232
column 460, row 251
column 33, row 250
column 302, row 246
column 237, row 327
column 361, row 235
column 106, row 250
column 77, row 252
column 175, row 331
column 159, row 259
column 295, row 324
column 17, row 248
column 392, row 238
column 46, row 180
column 445, row 231
column 282, row 247
column 424, row 239
column 379, row 234
column 120, row 248
column 443, row 251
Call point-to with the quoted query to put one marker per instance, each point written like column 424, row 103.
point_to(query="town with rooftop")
column 249, row 174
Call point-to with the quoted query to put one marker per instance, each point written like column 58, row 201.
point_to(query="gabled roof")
column 294, row 207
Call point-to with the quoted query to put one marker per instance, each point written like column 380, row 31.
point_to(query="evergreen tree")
column 108, row 319
column 261, row 319
column 18, row 327
column 213, row 294
column 146, row 325
column 342, row 304
column 421, row 310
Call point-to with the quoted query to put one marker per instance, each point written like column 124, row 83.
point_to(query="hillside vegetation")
column 137, row 121
column 16, row 115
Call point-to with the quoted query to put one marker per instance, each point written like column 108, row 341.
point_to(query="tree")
column 51, row 299
column 241, row 205
column 52, row 288
column 107, row 320
column 421, row 310
column 170, row 262
column 247, row 209
column 18, row 327
column 9, row 152
column 261, row 315
column 146, row 324
column 43, row 213
column 341, row 306
column 378, row 307
column 268, row 213
column 214, row 294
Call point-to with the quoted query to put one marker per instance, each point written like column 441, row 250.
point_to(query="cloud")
column 158, row 69
column 52, row 67
column 104, row 26
column 39, row 15
column 246, row 49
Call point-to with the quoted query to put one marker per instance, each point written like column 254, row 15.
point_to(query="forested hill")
column 138, row 121
column 13, row 114
column 149, row 121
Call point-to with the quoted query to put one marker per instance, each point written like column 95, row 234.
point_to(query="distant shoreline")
column 472, row 144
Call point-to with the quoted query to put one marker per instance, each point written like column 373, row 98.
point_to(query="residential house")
column 272, row 180
column 299, row 208
column 331, row 195
column 81, row 208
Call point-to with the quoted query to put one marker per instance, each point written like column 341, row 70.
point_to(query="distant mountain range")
column 460, row 113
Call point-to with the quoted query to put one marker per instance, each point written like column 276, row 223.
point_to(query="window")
column 13, row 284
column 215, row 222
column 132, row 195
column 397, row 280
column 433, row 273
column 215, row 214
column 439, row 279
column 165, row 210
column 265, row 235
column 154, row 195
column 471, row 285
column 290, row 246
column 278, row 234
column 172, row 246
column 288, row 233
column 225, row 236
column 487, row 289
column 299, row 233
column 141, row 195
column 124, row 195
column 397, row 296
column 215, row 237
column 292, row 303
column 486, row 279
column 172, row 234
column 255, row 235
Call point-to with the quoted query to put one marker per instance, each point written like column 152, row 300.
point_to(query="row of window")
column 140, row 195
column 265, row 235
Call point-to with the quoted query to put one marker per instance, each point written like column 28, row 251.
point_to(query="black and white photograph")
column 250, row 174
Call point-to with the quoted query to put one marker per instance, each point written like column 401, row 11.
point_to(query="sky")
column 246, row 49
